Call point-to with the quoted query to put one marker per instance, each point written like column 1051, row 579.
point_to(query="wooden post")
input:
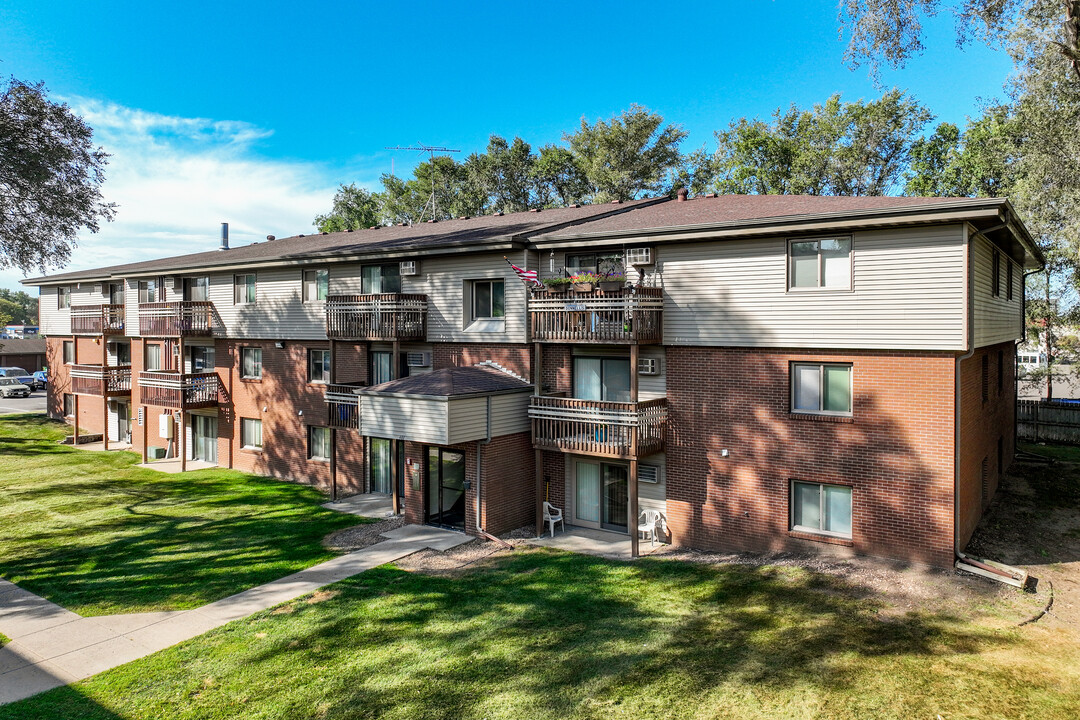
column 181, row 442
column 104, row 387
column 395, row 473
column 75, row 396
column 633, row 508
column 539, row 459
column 145, row 425
column 395, row 361
column 333, row 431
column 105, row 407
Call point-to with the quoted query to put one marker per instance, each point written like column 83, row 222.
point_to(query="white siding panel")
column 279, row 311
column 467, row 419
column 653, row 496
column 415, row 419
column 510, row 414
column 52, row 319
column 908, row 294
column 651, row 387
column 131, row 307
column 997, row 319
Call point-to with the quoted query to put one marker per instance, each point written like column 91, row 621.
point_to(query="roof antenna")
column 431, row 150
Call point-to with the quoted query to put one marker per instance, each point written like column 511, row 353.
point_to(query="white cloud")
column 177, row 179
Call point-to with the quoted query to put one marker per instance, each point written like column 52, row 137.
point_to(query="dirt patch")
column 322, row 596
column 435, row 562
column 361, row 536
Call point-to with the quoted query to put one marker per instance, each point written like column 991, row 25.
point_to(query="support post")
column 105, row 391
column 395, row 473
column 633, row 508
column 105, row 408
column 75, row 396
column 145, row 425
column 539, row 459
column 395, row 362
column 181, row 442
column 333, row 430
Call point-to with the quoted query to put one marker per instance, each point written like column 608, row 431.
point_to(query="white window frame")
column 324, row 366
column 473, row 315
column 312, row 280
column 251, row 349
column 160, row 365
column 145, row 288
column 245, row 423
column 63, row 297
column 68, row 399
column 245, row 293
column 312, row 431
column 69, row 357
column 821, row 509
column 849, row 287
column 821, row 388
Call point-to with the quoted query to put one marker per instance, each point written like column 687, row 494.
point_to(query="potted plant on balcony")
column 612, row 281
column 557, row 285
column 584, row 282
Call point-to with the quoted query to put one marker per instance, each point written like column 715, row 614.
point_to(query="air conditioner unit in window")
column 410, row 267
column 418, row 359
column 639, row 256
column 648, row 474
column 648, row 366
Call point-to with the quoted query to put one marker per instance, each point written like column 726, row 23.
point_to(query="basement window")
column 820, row 508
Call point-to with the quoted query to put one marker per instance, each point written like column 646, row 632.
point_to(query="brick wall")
column 896, row 452
column 91, row 408
column 515, row 358
column 508, row 490
column 982, row 424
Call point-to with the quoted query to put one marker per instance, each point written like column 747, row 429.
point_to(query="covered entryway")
column 445, row 493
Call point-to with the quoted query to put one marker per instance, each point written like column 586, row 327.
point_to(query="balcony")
column 343, row 406
column 185, row 318
column 628, row 316
column 100, row 380
column 97, row 319
column 181, row 391
column 598, row 427
column 386, row 316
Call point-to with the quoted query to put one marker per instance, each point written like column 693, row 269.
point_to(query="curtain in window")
column 837, row 509
column 587, row 505
column 804, row 264
column 807, row 505
column 380, row 466
column 381, row 365
column 807, row 390
column 836, row 263
column 587, row 374
column 837, row 388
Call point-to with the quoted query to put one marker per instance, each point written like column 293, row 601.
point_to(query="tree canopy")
column 20, row 306
column 50, row 179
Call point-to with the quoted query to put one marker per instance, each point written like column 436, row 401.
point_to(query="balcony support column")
column 145, row 431
column 333, row 430
column 395, row 361
column 539, row 461
column 75, row 396
column 105, row 388
column 634, row 508
column 395, row 473
column 182, row 430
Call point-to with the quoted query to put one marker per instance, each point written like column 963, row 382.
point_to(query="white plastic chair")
column 553, row 515
column 648, row 525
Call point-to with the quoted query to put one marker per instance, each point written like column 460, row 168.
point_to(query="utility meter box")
column 165, row 425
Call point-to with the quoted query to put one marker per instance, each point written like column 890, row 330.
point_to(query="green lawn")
column 97, row 535
column 545, row 634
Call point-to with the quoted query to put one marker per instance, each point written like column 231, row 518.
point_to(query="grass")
column 97, row 535
column 1056, row 485
column 545, row 634
column 4, row 639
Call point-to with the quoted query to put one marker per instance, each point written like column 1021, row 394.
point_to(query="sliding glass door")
column 601, row 495
column 381, row 468
column 602, row 379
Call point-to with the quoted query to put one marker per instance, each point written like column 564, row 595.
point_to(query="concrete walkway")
column 603, row 543
column 372, row 505
column 51, row 646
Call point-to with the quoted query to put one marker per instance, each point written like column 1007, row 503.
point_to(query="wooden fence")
column 1042, row 421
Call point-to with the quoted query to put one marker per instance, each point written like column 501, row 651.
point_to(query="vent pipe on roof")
column 224, row 236
column 681, row 195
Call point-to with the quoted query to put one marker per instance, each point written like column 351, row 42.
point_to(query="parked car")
column 11, row 387
column 26, row 378
column 41, row 377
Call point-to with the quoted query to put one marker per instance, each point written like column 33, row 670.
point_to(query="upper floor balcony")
column 627, row 316
column 101, row 380
column 97, row 319
column 601, row 428
column 383, row 316
column 182, row 391
column 182, row 318
column 343, row 405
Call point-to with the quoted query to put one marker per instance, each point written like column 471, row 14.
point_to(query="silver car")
column 11, row 387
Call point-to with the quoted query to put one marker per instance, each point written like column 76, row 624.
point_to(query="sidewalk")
column 51, row 646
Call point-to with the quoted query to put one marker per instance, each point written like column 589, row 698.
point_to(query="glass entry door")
column 381, row 468
column 446, row 488
column 123, row 421
column 601, row 495
column 204, row 438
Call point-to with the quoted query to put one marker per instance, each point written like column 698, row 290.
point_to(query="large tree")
column 354, row 208
column 23, row 308
column 50, row 179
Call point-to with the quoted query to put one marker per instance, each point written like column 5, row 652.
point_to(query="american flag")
column 527, row 276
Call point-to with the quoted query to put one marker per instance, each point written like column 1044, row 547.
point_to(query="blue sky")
column 253, row 113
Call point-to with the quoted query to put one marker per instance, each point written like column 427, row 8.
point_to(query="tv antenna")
column 430, row 150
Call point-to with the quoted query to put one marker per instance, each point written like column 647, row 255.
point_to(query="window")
column 376, row 279
column 148, row 291
column 251, row 363
column 251, row 433
column 822, row 263
column 382, row 367
column 153, row 357
column 821, row 508
column 123, row 353
column 318, row 443
column 319, row 366
column 243, row 289
column 69, row 352
column 1008, row 280
column 69, row 404
column 316, row 285
column 116, row 293
column 63, row 297
column 487, row 299
column 598, row 263
column 995, row 275
column 200, row 358
column 821, row 388
column 197, row 289
column 602, row 379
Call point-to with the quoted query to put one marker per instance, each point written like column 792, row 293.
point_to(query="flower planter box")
column 583, row 287
column 611, row 285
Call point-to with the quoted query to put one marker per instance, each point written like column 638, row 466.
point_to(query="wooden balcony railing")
column 633, row 315
column 103, row 381
column 185, row 318
column 343, row 406
column 182, row 391
column 97, row 319
column 387, row 316
column 598, row 427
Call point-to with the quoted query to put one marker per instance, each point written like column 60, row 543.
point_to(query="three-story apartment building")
column 774, row 372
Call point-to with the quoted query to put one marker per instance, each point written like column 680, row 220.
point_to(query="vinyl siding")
column 651, row 387
column 467, row 419
column 997, row 319
column 415, row 419
column 908, row 293
column 279, row 310
column 510, row 414
column 53, row 320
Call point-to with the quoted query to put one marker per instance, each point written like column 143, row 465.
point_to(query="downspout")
column 969, row 331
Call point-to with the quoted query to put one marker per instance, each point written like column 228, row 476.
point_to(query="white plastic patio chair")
column 649, row 524
column 553, row 515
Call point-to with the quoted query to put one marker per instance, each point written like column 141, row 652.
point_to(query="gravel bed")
column 361, row 536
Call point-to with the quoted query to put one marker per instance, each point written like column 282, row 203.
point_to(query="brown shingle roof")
column 450, row 382
column 26, row 346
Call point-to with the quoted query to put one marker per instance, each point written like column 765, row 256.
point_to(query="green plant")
column 557, row 282
column 586, row 278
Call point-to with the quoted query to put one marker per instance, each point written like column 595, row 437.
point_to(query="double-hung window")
column 824, row 263
column 152, row 359
column 69, row 352
column 148, row 291
column 251, row 363
column 316, row 285
column 244, row 289
column 63, row 297
column 821, row 508
column 319, row 366
column 821, row 388
column 251, row 433
column 487, row 299
column 318, row 443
